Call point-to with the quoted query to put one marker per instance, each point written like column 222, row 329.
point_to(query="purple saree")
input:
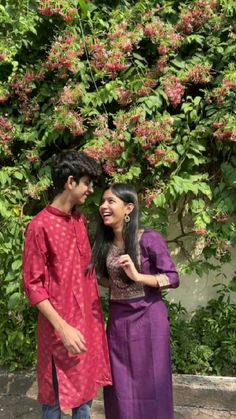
column 138, row 336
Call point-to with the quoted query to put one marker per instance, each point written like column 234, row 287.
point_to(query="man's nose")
column 91, row 188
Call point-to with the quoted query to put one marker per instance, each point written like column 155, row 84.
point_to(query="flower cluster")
column 225, row 129
column 32, row 157
column 154, row 29
column 62, row 8
column 105, row 150
column 174, row 90
column 196, row 18
column 149, row 133
column 161, row 64
column 229, row 83
column 29, row 110
column 23, row 85
column 124, row 120
column 6, row 130
column 160, row 156
column 199, row 74
column 200, row 231
column 125, row 96
column 101, row 123
column 64, row 118
column 6, row 135
column 35, row 191
column 64, row 54
column 149, row 195
column 70, row 95
column 221, row 218
column 110, row 61
column 217, row 95
column 4, row 95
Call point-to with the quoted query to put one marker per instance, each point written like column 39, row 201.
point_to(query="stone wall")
column 196, row 397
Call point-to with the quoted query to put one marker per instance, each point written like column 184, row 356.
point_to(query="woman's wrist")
column 150, row 280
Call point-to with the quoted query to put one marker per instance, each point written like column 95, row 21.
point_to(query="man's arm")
column 34, row 265
column 71, row 338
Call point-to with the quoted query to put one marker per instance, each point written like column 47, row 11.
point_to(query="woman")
column 138, row 266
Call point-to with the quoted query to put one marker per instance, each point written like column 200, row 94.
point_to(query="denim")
column 54, row 412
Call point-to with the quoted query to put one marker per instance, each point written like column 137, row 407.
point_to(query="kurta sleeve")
column 161, row 260
column 34, row 266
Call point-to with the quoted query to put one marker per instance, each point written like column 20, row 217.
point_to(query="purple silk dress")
column 138, row 336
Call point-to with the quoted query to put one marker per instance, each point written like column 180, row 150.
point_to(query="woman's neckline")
column 140, row 233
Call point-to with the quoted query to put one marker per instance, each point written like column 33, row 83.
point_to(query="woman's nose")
column 103, row 205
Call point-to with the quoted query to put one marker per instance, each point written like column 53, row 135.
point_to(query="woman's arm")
column 165, row 274
column 156, row 281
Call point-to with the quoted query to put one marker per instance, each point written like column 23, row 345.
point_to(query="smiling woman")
column 138, row 266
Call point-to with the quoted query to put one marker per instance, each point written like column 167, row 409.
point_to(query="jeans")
column 54, row 412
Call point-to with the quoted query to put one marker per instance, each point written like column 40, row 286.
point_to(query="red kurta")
column 56, row 255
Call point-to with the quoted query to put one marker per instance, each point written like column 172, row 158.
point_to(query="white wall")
column 194, row 290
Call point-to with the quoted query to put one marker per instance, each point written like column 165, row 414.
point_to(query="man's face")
column 80, row 191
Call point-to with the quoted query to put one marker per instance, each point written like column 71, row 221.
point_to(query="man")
column 72, row 349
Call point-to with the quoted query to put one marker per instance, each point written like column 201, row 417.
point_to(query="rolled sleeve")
column 34, row 266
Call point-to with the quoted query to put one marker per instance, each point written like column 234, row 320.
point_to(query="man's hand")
column 72, row 339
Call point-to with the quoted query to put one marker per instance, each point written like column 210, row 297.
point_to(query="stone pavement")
column 196, row 397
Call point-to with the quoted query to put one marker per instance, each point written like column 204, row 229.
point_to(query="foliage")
column 205, row 342
column 148, row 88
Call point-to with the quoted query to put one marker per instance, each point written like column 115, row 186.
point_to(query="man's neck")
column 62, row 203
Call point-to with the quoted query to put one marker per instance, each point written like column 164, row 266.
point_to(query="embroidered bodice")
column 121, row 288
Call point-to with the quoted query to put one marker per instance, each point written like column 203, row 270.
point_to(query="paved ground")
column 16, row 407
column 195, row 397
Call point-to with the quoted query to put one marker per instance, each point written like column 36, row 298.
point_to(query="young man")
column 72, row 349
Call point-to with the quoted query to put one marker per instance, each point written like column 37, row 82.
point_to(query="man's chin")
column 82, row 200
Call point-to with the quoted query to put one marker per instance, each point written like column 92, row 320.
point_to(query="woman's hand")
column 126, row 263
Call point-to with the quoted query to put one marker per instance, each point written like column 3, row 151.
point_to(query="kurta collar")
column 58, row 212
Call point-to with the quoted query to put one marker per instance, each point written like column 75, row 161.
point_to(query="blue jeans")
column 54, row 412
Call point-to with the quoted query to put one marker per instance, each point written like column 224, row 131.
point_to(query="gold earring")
column 127, row 218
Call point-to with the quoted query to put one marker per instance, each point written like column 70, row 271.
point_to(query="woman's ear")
column 129, row 208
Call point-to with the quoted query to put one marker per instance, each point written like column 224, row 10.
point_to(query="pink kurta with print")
column 56, row 255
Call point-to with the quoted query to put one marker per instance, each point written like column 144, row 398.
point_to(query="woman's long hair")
column 104, row 234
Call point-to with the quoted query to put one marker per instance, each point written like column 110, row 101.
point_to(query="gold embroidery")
column 162, row 280
column 122, row 288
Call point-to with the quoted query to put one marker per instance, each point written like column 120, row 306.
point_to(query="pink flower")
column 200, row 231
column 174, row 90
column 229, row 83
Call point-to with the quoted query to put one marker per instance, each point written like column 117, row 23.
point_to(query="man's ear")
column 129, row 207
column 69, row 183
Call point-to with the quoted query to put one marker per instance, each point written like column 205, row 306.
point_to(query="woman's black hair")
column 104, row 234
column 72, row 163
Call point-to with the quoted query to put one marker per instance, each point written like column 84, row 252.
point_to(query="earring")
column 127, row 218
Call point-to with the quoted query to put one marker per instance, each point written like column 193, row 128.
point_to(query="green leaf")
column 84, row 7
column 16, row 264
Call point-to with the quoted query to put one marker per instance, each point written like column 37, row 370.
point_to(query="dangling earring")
column 127, row 218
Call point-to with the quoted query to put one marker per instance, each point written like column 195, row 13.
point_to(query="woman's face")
column 113, row 210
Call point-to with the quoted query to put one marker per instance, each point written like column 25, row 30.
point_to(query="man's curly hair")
column 73, row 163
